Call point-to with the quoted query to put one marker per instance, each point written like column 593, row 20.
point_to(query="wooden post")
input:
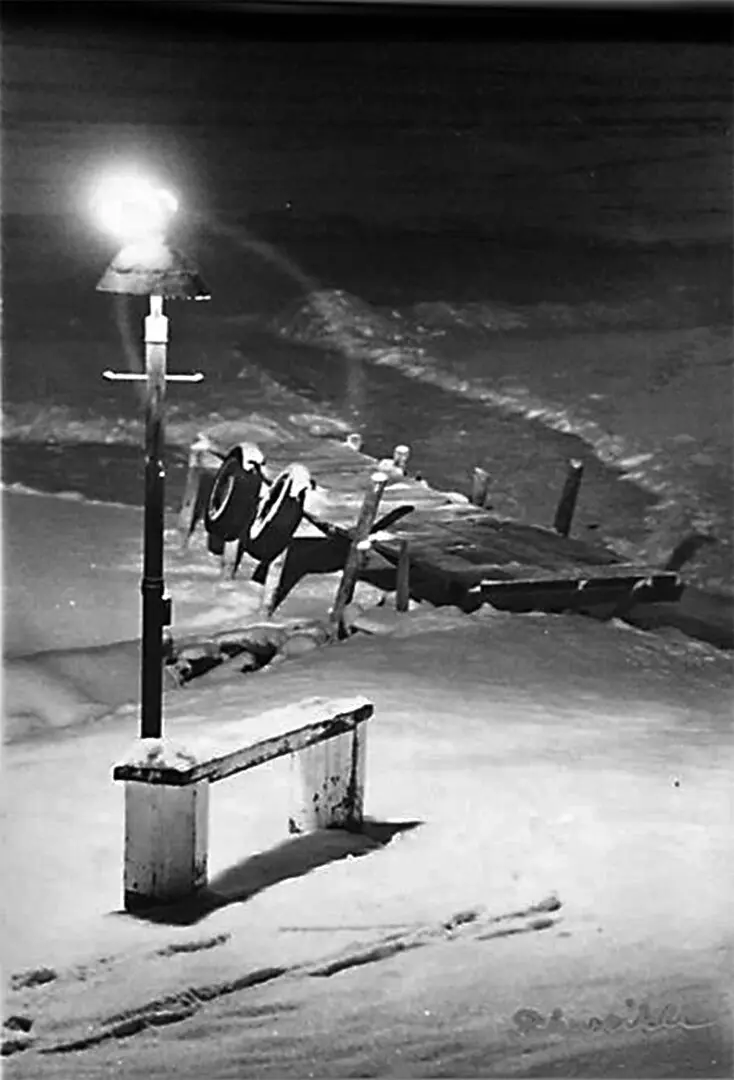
column 365, row 521
column 271, row 585
column 402, row 578
column 400, row 456
column 230, row 558
column 329, row 793
column 684, row 551
column 479, row 486
column 569, row 495
column 166, row 842
column 190, row 511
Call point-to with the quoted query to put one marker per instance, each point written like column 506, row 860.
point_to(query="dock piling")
column 479, row 487
column 365, row 521
column 231, row 558
column 402, row 578
column 567, row 502
column 272, row 584
column 192, row 506
column 400, row 456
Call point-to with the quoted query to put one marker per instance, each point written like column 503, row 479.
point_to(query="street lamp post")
column 147, row 266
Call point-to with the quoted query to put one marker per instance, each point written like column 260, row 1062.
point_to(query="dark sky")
column 419, row 115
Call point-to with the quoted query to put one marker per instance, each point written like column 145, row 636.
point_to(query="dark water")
column 448, row 435
column 60, row 334
column 592, row 175
column 592, row 138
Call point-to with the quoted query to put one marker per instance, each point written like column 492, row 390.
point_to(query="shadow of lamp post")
column 139, row 213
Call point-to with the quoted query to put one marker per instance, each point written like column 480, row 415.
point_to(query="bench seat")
column 290, row 729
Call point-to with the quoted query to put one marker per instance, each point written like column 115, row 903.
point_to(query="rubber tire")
column 276, row 522
column 233, row 500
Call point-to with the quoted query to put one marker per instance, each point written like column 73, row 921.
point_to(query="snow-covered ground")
column 549, row 842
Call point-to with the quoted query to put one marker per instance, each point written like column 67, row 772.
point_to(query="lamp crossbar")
column 134, row 376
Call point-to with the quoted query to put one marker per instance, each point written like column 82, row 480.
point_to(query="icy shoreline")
column 512, row 758
column 581, row 385
column 650, row 405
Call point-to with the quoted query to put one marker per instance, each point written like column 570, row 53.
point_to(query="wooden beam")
column 271, row 585
column 479, row 487
column 684, row 551
column 402, row 578
column 569, row 595
column 362, row 530
column 188, row 516
column 199, row 481
column 330, row 794
column 221, row 765
column 400, row 457
column 569, row 495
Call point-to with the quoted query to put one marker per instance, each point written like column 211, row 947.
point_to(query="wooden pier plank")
column 528, row 547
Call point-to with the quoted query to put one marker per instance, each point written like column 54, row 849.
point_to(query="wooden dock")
column 458, row 553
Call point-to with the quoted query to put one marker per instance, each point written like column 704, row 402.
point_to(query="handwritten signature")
column 530, row 1021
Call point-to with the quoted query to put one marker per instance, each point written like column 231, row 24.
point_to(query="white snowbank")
column 542, row 757
column 511, row 760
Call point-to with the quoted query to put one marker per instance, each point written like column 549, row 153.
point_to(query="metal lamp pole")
column 156, row 608
column 159, row 272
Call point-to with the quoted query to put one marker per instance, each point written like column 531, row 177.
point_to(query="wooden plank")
column 437, row 561
column 386, row 522
column 336, row 482
column 434, row 562
column 590, row 552
column 488, row 564
column 567, row 503
column 564, row 595
column 221, row 764
column 402, row 578
column 473, row 554
column 305, row 448
column 479, row 486
column 530, row 550
column 355, row 555
column 462, row 514
column 320, row 465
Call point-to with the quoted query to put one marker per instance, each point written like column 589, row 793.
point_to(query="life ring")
column 235, row 494
column 279, row 514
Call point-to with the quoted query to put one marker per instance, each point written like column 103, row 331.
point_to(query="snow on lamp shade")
column 152, row 268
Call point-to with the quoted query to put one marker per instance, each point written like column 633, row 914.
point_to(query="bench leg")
column 330, row 788
column 166, row 842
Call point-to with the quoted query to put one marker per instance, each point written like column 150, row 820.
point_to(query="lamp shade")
column 152, row 268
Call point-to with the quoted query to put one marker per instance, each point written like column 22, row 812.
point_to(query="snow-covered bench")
column 167, row 788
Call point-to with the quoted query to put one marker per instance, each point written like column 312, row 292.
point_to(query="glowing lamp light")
column 138, row 212
column 133, row 207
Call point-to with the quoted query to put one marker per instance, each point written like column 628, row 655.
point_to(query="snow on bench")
column 167, row 788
